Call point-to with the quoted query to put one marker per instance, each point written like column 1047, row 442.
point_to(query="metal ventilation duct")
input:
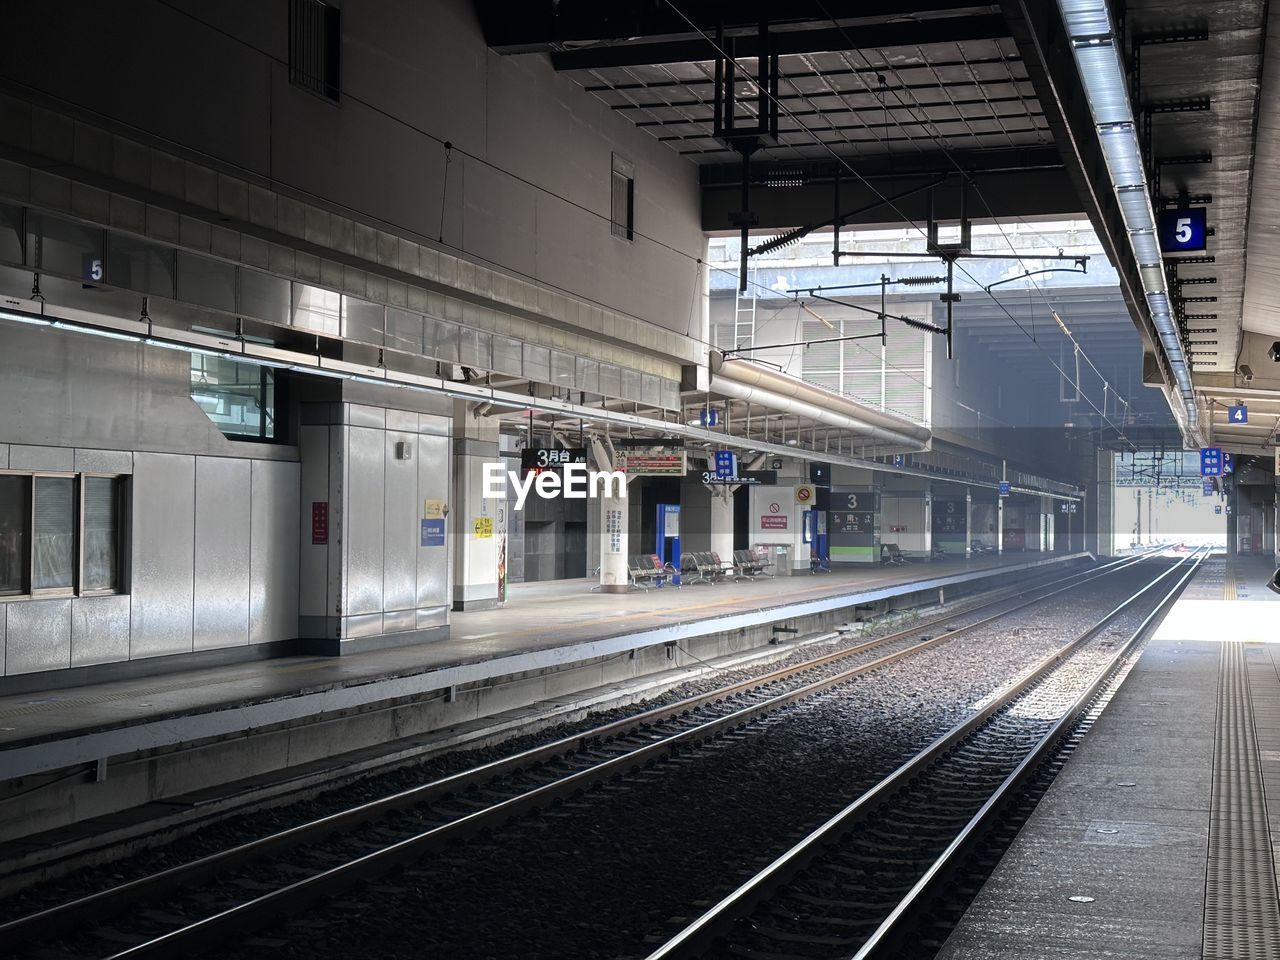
column 774, row 390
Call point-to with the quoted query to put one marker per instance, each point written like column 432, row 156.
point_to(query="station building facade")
column 260, row 334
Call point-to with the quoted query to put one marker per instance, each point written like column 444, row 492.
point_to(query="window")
column 623, row 203
column 60, row 534
column 314, row 45
column 100, row 533
column 53, row 557
column 240, row 398
column 15, row 550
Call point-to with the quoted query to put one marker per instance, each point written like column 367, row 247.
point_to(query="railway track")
column 879, row 879
column 378, row 836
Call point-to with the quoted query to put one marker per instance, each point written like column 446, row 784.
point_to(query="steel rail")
column 699, row 935
column 61, row 917
column 892, row 929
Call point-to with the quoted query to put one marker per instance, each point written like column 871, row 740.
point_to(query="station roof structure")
column 1023, row 100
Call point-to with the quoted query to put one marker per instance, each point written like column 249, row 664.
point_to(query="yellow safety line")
column 1229, row 583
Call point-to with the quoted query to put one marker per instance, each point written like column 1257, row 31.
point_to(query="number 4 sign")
column 1238, row 414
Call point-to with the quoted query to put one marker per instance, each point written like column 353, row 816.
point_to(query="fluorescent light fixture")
column 1145, row 248
column 1105, row 82
column 26, row 318
column 1091, row 27
column 1124, row 159
column 1135, row 206
column 1086, row 18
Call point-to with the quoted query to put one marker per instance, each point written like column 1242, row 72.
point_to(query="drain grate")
column 1242, row 905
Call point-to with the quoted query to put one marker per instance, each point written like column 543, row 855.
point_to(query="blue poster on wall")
column 433, row 533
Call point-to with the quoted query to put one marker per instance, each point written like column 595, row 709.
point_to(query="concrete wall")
column 524, row 188
column 212, row 526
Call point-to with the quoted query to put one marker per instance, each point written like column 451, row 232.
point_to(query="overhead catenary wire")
column 886, row 201
column 968, row 179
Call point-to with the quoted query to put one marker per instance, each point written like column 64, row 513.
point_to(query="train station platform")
column 1156, row 838
column 542, row 627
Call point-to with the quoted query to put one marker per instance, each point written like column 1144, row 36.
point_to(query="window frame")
column 45, row 593
column 121, row 518
column 29, row 590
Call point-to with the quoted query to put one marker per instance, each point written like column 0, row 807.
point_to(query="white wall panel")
column 362, row 521
column 433, row 484
column 222, row 553
column 39, row 636
column 401, row 515
column 163, row 554
column 274, row 542
column 99, row 630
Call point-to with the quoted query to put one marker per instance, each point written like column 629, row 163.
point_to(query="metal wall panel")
column 401, row 515
column 274, row 542
column 163, row 554
column 610, row 380
column 39, row 632
column 587, row 374
column 406, row 421
column 4, row 456
column 366, row 625
column 537, row 362
column 399, row 621
column 222, row 553
column 99, row 630
column 362, row 520
column 433, row 617
column 103, row 461
column 363, row 415
column 435, row 470
column 404, row 330
column 508, row 356
column 362, row 320
column 4, row 646
column 563, row 369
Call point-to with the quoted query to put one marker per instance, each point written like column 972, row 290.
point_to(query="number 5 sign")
column 1183, row 230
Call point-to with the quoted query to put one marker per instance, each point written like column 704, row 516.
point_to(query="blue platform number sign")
column 1237, row 414
column 433, row 533
column 708, row 417
column 1218, row 508
column 725, row 467
column 1228, row 465
column 1209, row 488
column 1183, row 230
column 1210, row 461
column 1004, row 488
column 899, row 460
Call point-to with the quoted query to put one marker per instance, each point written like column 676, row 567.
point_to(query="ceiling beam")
column 818, row 39
column 1010, row 193
column 531, row 26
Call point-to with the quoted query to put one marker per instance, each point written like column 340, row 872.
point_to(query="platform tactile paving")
column 1242, row 904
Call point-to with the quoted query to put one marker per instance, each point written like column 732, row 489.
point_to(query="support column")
column 968, row 523
column 475, row 546
column 722, row 522
column 613, row 545
column 1000, row 525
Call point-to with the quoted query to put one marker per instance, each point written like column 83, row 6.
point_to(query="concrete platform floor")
column 542, row 625
column 1127, row 821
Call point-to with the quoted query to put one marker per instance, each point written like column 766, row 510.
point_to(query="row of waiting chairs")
column 708, row 567
column 646, row 571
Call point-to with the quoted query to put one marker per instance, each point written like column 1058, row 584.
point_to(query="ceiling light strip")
column 1091, row 26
